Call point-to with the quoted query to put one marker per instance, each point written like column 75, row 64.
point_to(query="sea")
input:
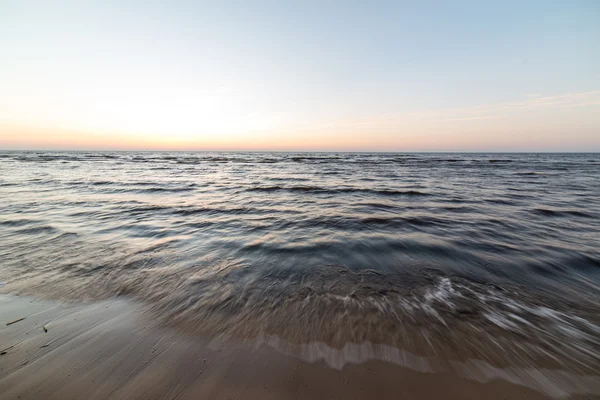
column 447, row 257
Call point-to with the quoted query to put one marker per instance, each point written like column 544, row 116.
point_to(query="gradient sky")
column 305, row 75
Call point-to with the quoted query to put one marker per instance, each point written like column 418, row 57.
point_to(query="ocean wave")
column 323, row 190
column 325, row 248
column 19, row 222
column 547, row 212
column 35, row 230
column 167, row 189
column 225, row 210
column 313, row 158
column 529, row 173
column 328, row 303
column 151, row 189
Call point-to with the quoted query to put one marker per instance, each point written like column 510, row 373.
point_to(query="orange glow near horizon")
column 220, row 121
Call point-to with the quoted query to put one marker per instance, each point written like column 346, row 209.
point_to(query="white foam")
column 551, row 382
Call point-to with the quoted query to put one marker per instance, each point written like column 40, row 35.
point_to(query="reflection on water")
column 493, row 257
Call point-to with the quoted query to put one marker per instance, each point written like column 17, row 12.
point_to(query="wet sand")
column 110, row 350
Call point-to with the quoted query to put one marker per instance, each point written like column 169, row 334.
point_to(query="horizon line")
column 305, row 151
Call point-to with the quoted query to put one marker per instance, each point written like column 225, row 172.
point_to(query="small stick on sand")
column 15, row 321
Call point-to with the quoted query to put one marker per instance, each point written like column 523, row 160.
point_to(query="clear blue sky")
column 430, row 75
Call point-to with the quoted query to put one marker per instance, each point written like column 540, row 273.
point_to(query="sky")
column 303, row 75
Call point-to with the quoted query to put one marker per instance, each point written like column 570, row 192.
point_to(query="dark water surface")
column 492, row 257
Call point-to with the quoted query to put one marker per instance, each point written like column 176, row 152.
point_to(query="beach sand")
column 110, row 350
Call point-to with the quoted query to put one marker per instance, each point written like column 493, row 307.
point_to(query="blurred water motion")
column 454, row 257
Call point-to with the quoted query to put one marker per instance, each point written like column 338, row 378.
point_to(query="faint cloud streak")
column 476, row 118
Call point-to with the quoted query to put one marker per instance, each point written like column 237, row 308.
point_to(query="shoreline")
column 109, row 349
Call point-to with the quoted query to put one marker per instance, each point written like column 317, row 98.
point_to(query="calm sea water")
column 456, row 256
